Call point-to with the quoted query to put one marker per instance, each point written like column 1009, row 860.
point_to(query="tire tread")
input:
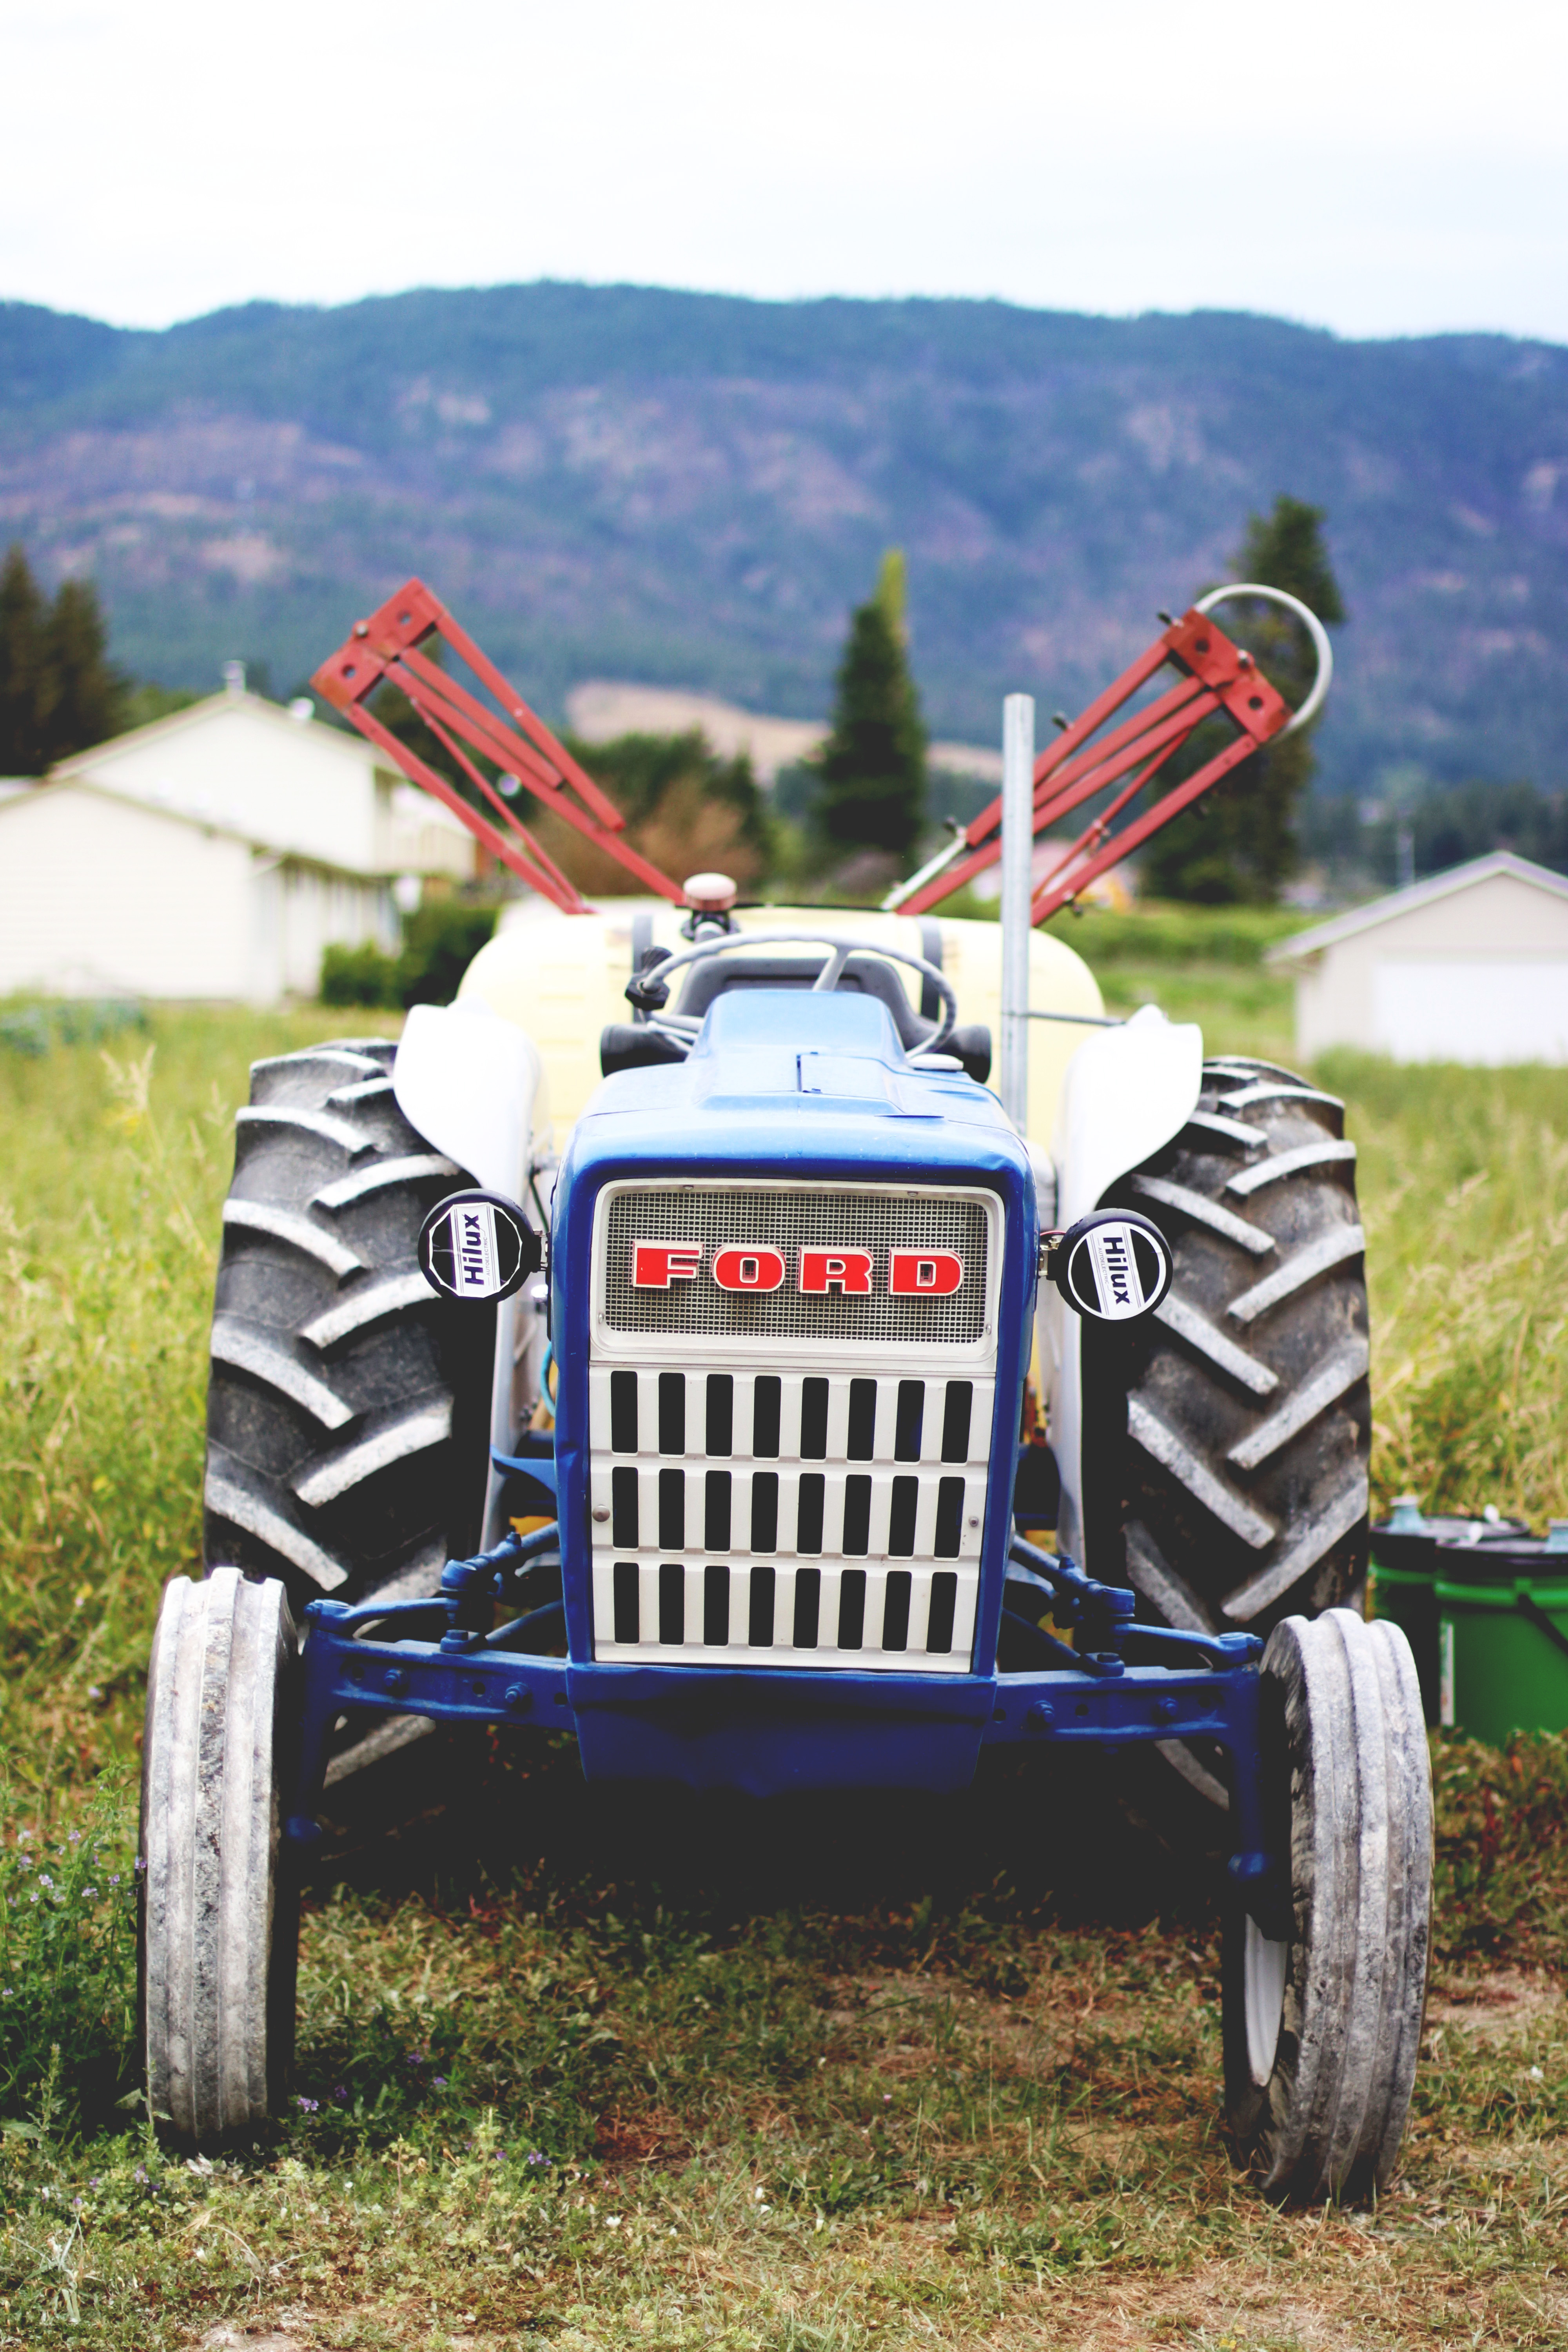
column 1245, row 1462
column 217, row 1927
column 329, row 1354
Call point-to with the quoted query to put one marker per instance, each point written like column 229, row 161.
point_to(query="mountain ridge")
column 691, row 489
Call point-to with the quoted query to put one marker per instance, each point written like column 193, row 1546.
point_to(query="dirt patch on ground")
column 1497, row 2005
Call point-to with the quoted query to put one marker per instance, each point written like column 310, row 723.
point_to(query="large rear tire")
column 1322, row 2029
column 1227, row 1478
column 348, row 1419
column 219, row 1914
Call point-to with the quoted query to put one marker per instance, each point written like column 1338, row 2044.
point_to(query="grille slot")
column 720, row 1412
column 716, row 1512
column 765, row 1511
column 791, row 1220
column 957, row 1408
column 672, row 1510
column 625, row 1516
column 672, row 1412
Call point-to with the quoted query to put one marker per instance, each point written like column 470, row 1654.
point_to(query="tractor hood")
column 787, row 1051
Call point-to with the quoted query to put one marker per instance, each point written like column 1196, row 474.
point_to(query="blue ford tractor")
column 777, row 1410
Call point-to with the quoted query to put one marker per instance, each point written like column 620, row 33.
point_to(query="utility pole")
column 1017, row 889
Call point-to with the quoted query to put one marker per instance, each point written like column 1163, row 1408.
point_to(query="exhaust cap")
column 709, row 893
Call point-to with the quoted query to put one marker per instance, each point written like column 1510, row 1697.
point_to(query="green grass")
column 1239, row 1010
column 1155, row 932
column 579, row 2069
column 1196, row 963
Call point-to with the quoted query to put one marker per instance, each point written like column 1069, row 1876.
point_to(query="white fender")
column 470, row 1083
column 1127, row 1091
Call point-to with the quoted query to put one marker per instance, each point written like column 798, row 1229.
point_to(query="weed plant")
column 33, row 1026
column 67, row 1959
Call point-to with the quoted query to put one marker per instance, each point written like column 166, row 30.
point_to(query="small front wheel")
column 1322, row 2029
column 219, row 1918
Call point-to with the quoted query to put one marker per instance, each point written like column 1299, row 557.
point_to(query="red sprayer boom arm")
column 1213, row 675
column 387, row 646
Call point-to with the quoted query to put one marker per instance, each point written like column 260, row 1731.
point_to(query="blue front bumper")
column 761, row 1731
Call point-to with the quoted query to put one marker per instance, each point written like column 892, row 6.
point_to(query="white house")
column 212, row 854
column 1471, row 966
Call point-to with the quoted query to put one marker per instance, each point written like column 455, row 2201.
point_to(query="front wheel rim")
column 1262, row 1976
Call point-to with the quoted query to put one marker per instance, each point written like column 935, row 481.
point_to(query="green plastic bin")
column 1404, row 1576
column 1503, row 1636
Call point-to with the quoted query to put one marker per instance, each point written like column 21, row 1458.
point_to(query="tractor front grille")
column 790, row 1219
column 787, row 1518
column 791, row 1478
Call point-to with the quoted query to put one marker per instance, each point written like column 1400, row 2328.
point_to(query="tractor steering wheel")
column 650, row 991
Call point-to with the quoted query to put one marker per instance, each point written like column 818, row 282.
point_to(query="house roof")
column 297, row 787
column 197, row 715
column 1420, row 894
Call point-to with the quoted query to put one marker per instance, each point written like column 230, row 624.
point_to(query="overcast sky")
column 1375, row 168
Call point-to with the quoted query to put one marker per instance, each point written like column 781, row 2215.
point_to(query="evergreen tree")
column 58, row 691
column 23, row 634
column 88, row 696
column 1240, row 840
column 871, row 771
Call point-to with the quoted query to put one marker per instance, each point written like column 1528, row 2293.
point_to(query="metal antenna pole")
column 1017, row 883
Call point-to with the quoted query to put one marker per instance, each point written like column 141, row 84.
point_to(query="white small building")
column 214, row 854
column 1471, row 966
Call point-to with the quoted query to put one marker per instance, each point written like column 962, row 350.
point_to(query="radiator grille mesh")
column 790, row 1221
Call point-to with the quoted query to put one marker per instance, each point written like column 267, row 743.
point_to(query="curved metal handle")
column 1310, row 622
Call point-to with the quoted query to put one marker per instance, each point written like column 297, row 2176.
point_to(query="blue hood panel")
column 766, row 1048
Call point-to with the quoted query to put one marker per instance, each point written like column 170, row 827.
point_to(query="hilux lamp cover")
column 1113, row 1267
column 478, row 1246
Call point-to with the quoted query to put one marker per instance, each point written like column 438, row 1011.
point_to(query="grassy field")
column 575, row 2070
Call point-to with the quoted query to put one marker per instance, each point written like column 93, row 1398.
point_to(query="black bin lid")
column 1503, row 1562
column 1417, row 1547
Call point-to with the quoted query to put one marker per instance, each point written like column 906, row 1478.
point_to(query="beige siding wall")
column 299, row 912
column 98, row 897
column 1496, row 924
column 419, row 836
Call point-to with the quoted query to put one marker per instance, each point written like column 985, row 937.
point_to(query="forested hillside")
column 693, row 490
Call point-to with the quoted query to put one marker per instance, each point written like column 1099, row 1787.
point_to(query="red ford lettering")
column 748, row 1265
column 656, row 1264
column 924, row 1273
column 846, row 1271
